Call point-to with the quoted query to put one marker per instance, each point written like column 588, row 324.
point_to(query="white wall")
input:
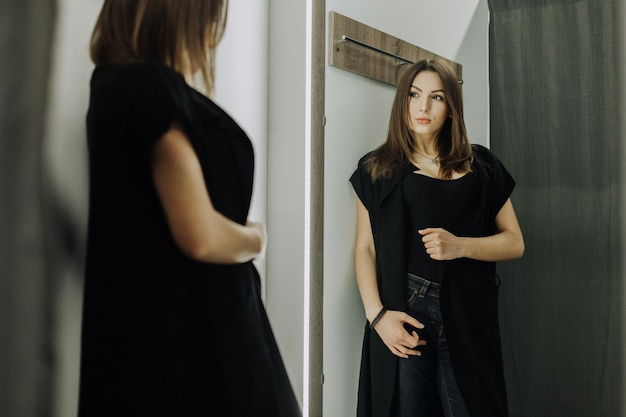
column 66, row 172
column 286, row 215
column 241, row 87
column 357, row 111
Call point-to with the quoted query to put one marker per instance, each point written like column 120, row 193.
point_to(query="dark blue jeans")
column 426, row 383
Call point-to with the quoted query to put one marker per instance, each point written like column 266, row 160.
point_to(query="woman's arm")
column 390, row 327
column 507, row 243
column 365, row 263
column 199, row 230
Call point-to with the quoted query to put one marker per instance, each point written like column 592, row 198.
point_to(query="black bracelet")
column 377, row 318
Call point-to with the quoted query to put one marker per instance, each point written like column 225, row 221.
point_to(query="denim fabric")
column 426, row 383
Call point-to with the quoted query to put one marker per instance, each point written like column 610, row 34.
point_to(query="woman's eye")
column 413, row 94
column 438, row 97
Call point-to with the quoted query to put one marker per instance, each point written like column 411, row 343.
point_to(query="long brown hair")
column 452, row 144
column 182, row 34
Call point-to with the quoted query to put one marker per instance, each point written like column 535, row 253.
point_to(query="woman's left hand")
column 441, row 245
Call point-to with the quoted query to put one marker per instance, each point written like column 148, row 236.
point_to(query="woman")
column 173, row 322
column 433, row 216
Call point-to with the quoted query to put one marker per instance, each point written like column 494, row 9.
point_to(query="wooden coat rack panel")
column 364, row 50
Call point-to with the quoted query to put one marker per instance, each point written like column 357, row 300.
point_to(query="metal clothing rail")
column 350, row 43
column 373, row 48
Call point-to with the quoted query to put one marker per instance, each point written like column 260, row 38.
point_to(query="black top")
column 165, row 335
column 433, row 202
column 469, row 291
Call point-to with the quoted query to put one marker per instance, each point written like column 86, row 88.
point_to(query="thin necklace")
column 433, row 161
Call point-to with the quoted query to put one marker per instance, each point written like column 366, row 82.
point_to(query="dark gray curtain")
column 555, row 69
column 26, row 355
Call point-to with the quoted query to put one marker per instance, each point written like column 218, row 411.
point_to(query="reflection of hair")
column 182, row 34
column 452, row 145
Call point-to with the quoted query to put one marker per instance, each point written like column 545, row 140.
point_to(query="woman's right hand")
column 400, row 342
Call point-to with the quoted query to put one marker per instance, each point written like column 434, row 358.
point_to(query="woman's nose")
column 423, row 104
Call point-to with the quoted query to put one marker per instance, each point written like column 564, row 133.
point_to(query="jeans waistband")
column 421, row 285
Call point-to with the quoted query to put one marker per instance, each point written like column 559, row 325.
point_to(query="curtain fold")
column 555, row 108
column 26, row 305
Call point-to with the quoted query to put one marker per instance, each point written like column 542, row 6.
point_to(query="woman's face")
column 428, row 109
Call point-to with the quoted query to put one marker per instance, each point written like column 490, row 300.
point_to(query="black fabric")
column 448, row 200
column 469, row 293
column 164, row 335
column 556, row 76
